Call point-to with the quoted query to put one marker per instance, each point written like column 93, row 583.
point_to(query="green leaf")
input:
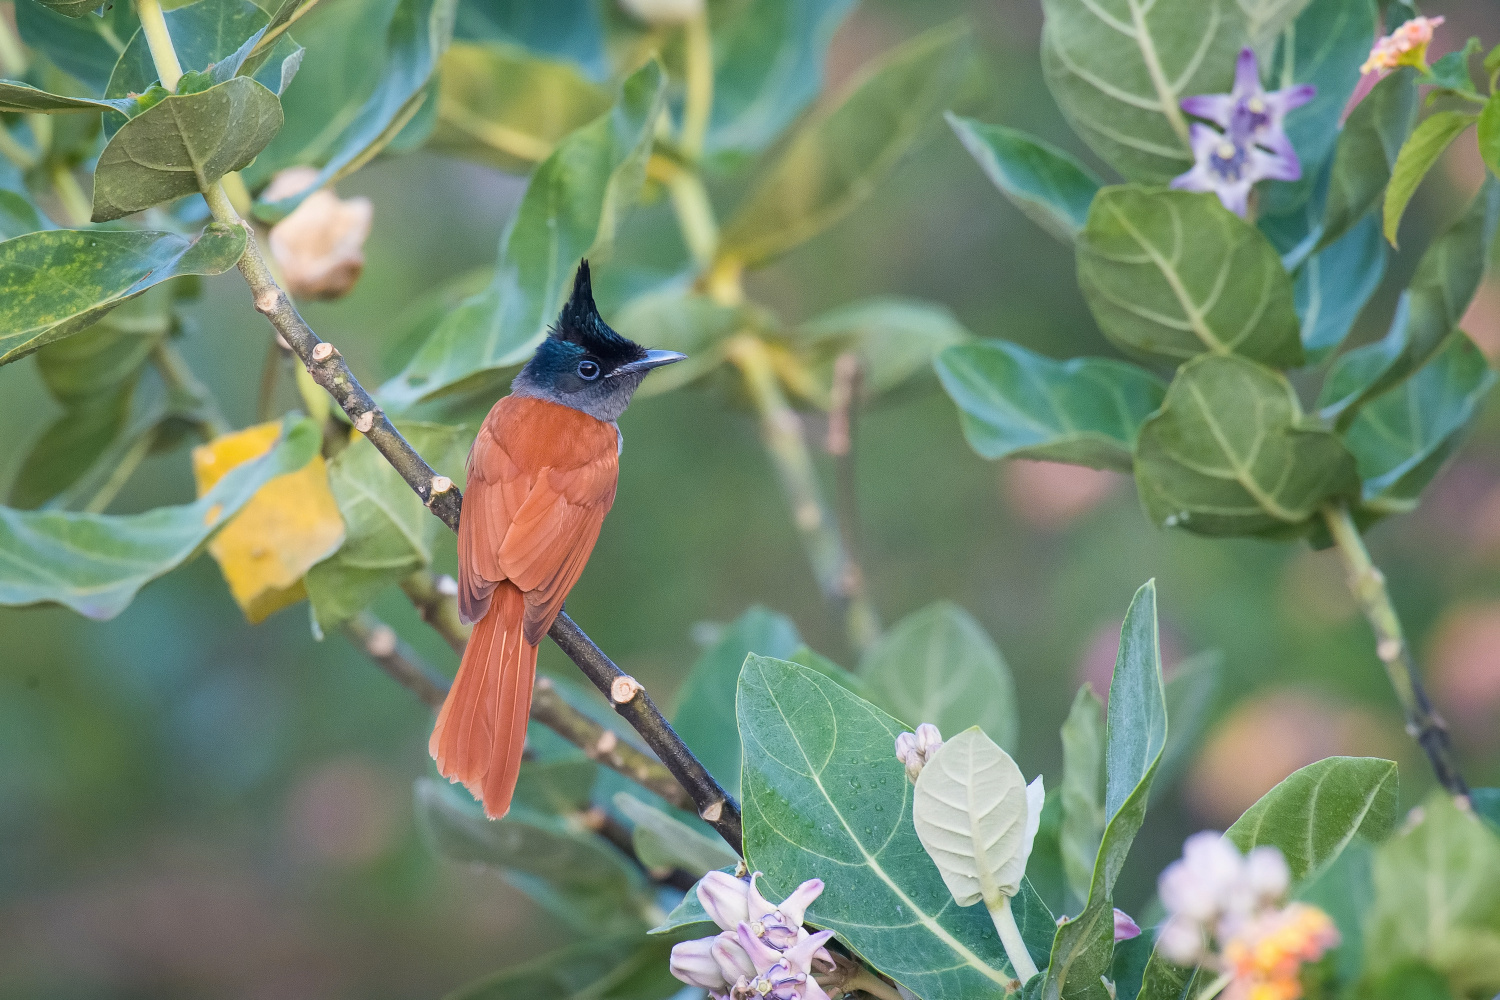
column 1489, row 135
column 663, row 841
column 23, row 97
column 688, row 918
column 1082, row 790
column 70, row 8
column 95, row 563
column 18, row 216
column 561, row 786
column 1313, row 814
column 54, row 284
column 768, row 66
column 704, row 712
column 619, row 967
column 1326, row 46
column 1334, row 285
column 822, row 786
column 1230, row 454
column 1437, row 899
column 77, row 46
column 1119, row 69
column 570, row 205
column 1016, row 404
column 1135, row 736
column 1402, row 438
column 1446, row 279
column 894, row 339
column 1451, row 72
column 1190, row 698
column 418, row 34
column 1487, row 804
column 1421, row 151
column 676, row 320
column 1265, row 19
column 940, row 666
column 502, row 106
column 388, row 533
column 835, row 160
column 182, row 145
column 576, row 875
column 563, row 29
column 1367, row 151
column 1050, row 187
column 1344, row 889
column 1175, row 274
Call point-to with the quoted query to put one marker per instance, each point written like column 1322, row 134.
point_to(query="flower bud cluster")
column 916, row 749
column 1227, row 912
column 1406, row 46
column 762, row 951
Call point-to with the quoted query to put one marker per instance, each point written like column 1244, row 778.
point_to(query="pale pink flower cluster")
column 916, row 749
column 763, row 951
column 1406, row 46
column 1227, row 912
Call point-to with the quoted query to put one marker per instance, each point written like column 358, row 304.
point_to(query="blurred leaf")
column 1082, row 797
column 1367, row 150
column 1118, row 70
column 54, row 284
column 1333, row 286
column 768, row 66
column 1176, row 274
column 835, row 160
column 18, row 216
column 1402, row 438
column 23, row 97
column 813, row 660
column 1016, row 404
column 1451, row 72
column 621, row 967
column 1230, row 453
column 290, row 523
column 570, row 205
column 675, row 320
column 1326, row 47
column 1408, row 981
column 95, row 563
column 1190, row 697
column 1313, row 813
column 1344, row 889
column 663, row 841
column 1050, row 187
column 1437, row 899
column 418, row 34
column 389, row 533
column 970, row 812
column 1486, row 803
column 560, row 29
column 1446, row 280
column 1135, row 734
column 182, row 145
column 822, row 782
column 688, row 918
column 77, row 46
column 1489, row 135
column 894, row 339
column 556, row 786
column 1417, row 157
column 577, row 875
column 504, row 107
column 1265, row 19
column 939, row 665
column 704, row 715
column 70, row 8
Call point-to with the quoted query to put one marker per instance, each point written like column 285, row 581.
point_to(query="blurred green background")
column 192, row 806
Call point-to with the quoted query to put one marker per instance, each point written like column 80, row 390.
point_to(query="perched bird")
column 541, row 477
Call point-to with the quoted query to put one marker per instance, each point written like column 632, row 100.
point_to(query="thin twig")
column 380, row 643
column 1367, row 584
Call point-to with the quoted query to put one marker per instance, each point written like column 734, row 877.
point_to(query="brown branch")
column 380, row 643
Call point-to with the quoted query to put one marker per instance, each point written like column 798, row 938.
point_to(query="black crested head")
column 580, row 323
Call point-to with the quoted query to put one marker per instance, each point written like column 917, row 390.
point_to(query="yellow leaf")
column 291, row 523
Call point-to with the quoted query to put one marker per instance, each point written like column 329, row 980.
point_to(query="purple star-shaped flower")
column 1229, row 168
column 1250, row 115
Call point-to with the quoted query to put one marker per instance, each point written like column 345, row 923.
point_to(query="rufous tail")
column 481, row 729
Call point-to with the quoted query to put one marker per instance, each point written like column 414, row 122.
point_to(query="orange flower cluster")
column 1266, row 954
column 1406, row 46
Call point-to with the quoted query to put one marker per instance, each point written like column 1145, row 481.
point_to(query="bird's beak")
column 653, row 359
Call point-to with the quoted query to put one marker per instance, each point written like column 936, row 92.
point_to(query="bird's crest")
column 580, row 323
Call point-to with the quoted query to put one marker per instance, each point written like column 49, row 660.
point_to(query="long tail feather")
column 481, row 729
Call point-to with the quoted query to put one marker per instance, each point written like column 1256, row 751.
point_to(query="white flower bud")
column 730, row 957
column 916, row 749
column 1266, row 875
column 1205, row 881
column 1181, row 941
column 693, row 963
column 1125, row 928
column 663, row 11
column 319, row 247
column 725, row 898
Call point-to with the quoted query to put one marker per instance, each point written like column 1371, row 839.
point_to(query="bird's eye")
column 588, row 370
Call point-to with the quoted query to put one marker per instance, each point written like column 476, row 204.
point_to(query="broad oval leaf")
column 95, row 563
column 54, row 284
column 1120, row 68
column 1017, row 404
column 894, row 339
column 969, row 809
column 825, row 796
column 1229, row 454
column 835, row 160
column 1176, row 274
column 1418, row 154
column 940, row 666
column 1050, row 187
column 182, row 145
column 1314, row 812
column 1366, row 152
column 570, row 205
column 703, row 714
column 1402, row 438
column 1134, row 739
column 664, row 841
column 389, row 534
column 1334, row 285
